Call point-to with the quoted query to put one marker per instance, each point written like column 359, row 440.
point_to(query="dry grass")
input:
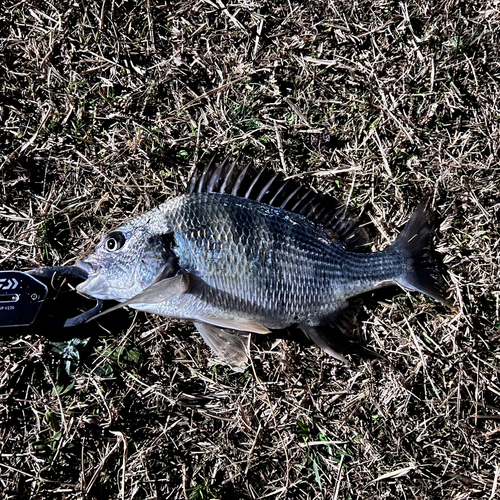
column 104, row 110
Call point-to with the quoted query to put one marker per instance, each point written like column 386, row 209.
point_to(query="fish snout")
column 87, row 287
column 89, row 267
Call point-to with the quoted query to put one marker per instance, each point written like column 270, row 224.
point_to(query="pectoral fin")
column 163, row 290
column 159, row 291
column 230, row 348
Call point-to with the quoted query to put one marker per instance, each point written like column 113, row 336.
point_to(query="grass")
column 105, row 109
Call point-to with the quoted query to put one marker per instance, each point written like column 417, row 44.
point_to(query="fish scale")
column 313, row 274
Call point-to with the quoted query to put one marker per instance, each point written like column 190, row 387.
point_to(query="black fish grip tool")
column 23, row 296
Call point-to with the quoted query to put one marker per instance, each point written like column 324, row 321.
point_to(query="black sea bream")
column 240, row 255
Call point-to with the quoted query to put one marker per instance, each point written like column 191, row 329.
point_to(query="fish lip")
column 92, row 270
column 96, row 287
column 88, row 267
column 93, row 287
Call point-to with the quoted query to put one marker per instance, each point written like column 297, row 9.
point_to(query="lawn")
column 105, row 109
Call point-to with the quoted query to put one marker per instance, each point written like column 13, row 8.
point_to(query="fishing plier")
column 34, row 298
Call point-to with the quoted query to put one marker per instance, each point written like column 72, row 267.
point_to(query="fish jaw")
column 97, row 286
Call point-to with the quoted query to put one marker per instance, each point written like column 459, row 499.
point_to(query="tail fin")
column 414, row 242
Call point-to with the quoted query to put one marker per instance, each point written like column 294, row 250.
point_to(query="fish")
column 247, row 252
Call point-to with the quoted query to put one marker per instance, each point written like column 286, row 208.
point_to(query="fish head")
column 125, row 262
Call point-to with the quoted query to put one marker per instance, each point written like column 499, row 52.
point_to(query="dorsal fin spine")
column 239, row 180
column 295, row 208
column 279, row 191
column 227, row 177
column 290, row 196
column 265, row 189
column 214, row 178
column 248, row 194
column 202, row 179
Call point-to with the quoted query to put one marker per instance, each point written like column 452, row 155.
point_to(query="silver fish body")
column 227, row 262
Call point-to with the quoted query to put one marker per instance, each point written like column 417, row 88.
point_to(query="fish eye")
column 114, row 241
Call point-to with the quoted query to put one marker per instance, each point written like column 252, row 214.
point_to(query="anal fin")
column 315, row 335
column 334, row 334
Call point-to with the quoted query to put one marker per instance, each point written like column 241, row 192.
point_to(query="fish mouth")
column 88, row 267
column 97, row 285
column 94, row 286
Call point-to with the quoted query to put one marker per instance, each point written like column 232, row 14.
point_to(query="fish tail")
column 420, row 270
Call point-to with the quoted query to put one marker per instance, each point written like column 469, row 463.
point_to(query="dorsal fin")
column 238, row 179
